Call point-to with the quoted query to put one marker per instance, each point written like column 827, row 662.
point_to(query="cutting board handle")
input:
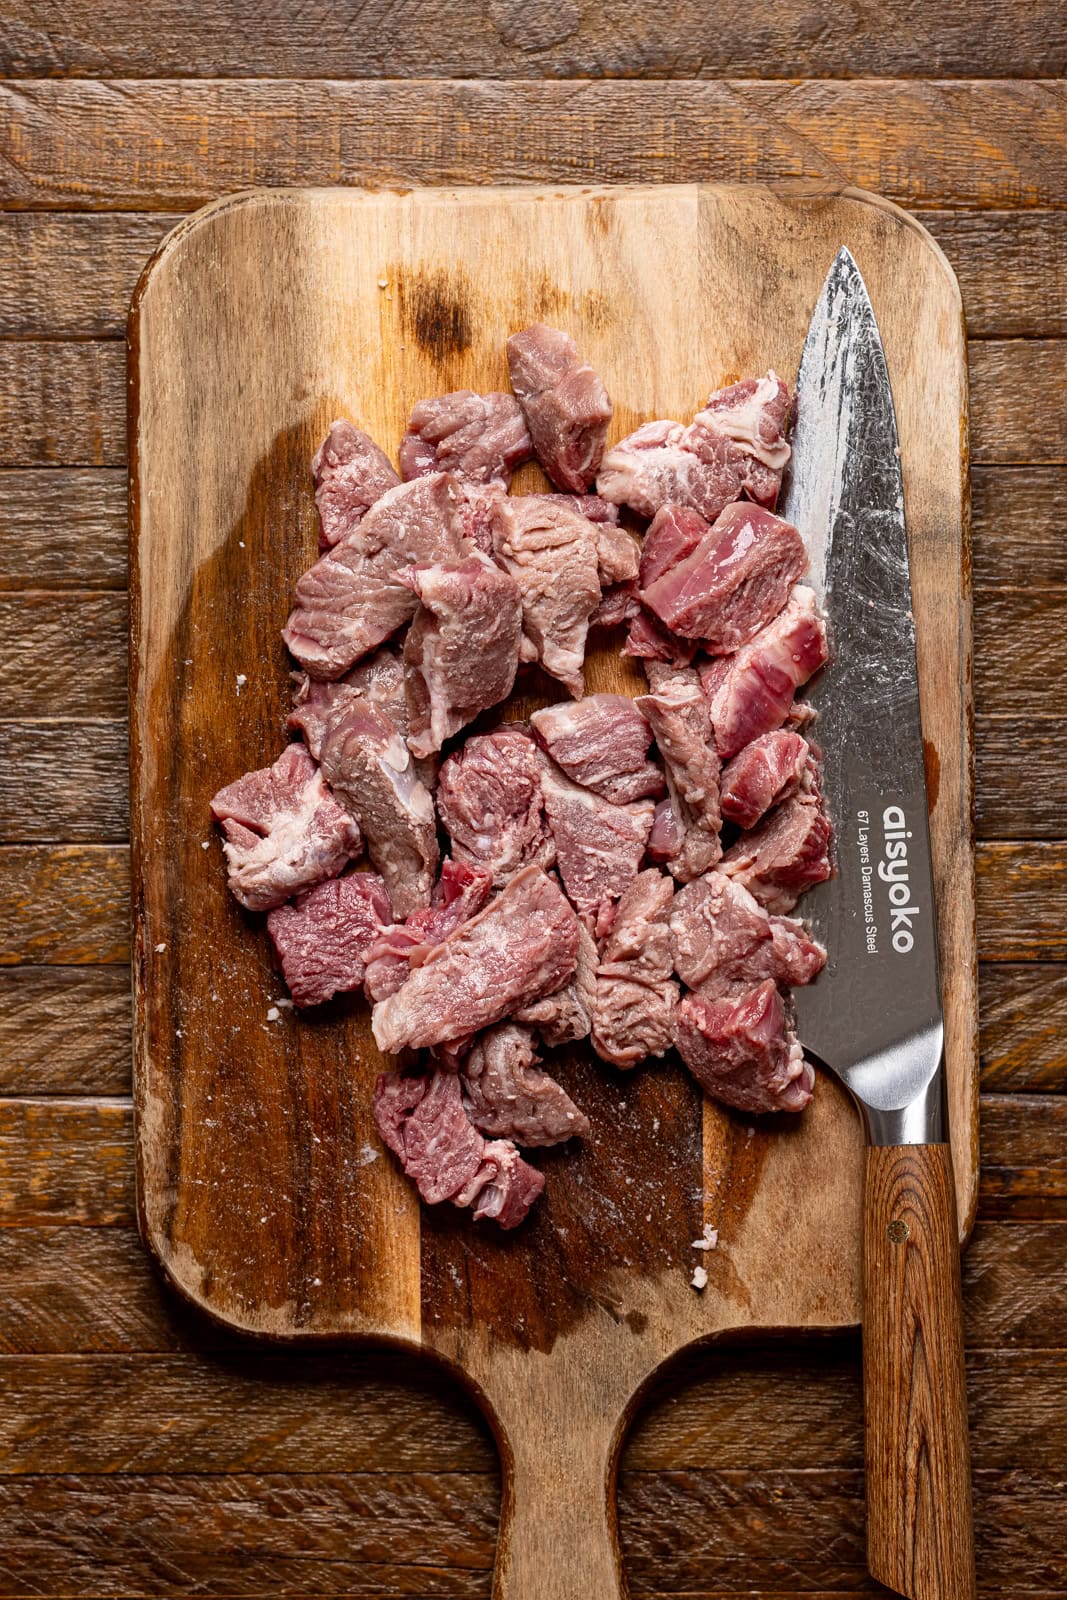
column 558, row 1537
column 919, row 1535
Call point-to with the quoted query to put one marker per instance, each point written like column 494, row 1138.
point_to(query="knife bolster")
column 923, row 1121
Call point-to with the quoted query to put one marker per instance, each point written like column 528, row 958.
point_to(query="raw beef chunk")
column 554, row 557
column 317, row 706
column 665, row 840
column 370, row 768
column 602, row 743
column 522, row 946
column 618, row 604
column 735, row 447
column 355, row 597
column 766, row 771
column 350, row 473
column 284, row 831
column 733, row 582
column 323, row 937
column 507, row 1096
column 489, row 799
column 462, row 649
column 786, row 854
column 672, row 536
column 751, row 692
column 618, row 554
column 589, row 505
column 566, row 406
column 598, row 845
column 723, row 941
column 649, row 640
column 743, row 1051
column 481, row 437
column 423, row 1122
column 460, row 893
column 567, row 1014
column 678, row 714
column 635, row 995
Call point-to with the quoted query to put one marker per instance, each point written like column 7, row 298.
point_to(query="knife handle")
column 920, row 1540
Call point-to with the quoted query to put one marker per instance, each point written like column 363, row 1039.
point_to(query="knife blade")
column 874, row 1017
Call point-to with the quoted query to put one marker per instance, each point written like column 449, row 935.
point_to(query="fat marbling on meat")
column 678, row 714
column 599, row 845
column 565, row 403
column 554, row 557
column 481, row 437
column 567, row 1013
column 751, row 692
column 523, row 945
column 786, row 854
column 723, row 941
column 284, row 831
column 370, row 768
column 355, row 596
column 507, row 1095
column 459, row 894
column 742, row 1050
column 764, row 773
column 601, row 741
column 462, row 649
column 490, row 802
column 734, row 448
column 635, row 992
column 322, row 937
column 351, row 473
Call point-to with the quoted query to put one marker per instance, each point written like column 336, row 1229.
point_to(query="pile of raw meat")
column 616, row 869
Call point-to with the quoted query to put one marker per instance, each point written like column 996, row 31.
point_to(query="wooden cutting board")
column 264, row 1192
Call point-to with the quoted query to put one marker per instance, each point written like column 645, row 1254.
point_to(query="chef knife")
column 874, row 1015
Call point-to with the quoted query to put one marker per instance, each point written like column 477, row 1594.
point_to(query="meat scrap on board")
column 322, row 937
column 507, row 1095
column 351, row 472
column 481, row 437
column 565, row 403
column 602, row 743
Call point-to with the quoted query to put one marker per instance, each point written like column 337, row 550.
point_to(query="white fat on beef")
column 553, row 555
column 459, row 894
column 462, row 649
column 351, row 473
column 733, row 582
column 734, row 448
column 565, row 403
column 317, row 705
column 355, row 597
column 284, row 831
column 635, row 994
column 322, row 938
column 765, row 772
column 480, row 437
column 786, row 853
column 723, row 941
column 523, row 945
column 751, row 692
column 507, row 1095
column 599, row 845
column 602, row 743
column 489, row 800
column 743, row 1051
column 423, row 1122
column 370, row 768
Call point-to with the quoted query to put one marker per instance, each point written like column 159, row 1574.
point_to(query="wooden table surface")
column 142, row 1453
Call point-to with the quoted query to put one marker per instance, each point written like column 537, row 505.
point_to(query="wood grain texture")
column 65, row 1030
column 920, row 1538
column 62, row 403
column 1009, row 518
column 67, row 904
column 1022, row 901
column 618, row 39
column 1023, row 1032
column 71, row 275
column 1026, row 1171
column 63, row 658
column 74, row 770
column 170, row 146
column 62, row 529
column 1009, row 745
column 1036, row 618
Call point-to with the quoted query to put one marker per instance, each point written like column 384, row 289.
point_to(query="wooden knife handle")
column 558, row 1537
column 920, row 1540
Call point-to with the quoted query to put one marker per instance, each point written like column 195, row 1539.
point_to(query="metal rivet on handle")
column 897, row 1231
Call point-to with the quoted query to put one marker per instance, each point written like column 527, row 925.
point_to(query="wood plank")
column 92, row 1290
column 1016, row 632
column 68, row 904
column 170, row 146
column 77, row 775
column 63, row 528
column 62, row 404
column 1020, row 772
column 65, row 1030
column 71, row 1160
column 1022, row 901
column 1010, row 509
column 465, row 40
column 405, row 1533
column 64, row 904
column 1023, row 1011
column 67, row 1161
column 71, row 275
column 65, row 654
column 369, row 1412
